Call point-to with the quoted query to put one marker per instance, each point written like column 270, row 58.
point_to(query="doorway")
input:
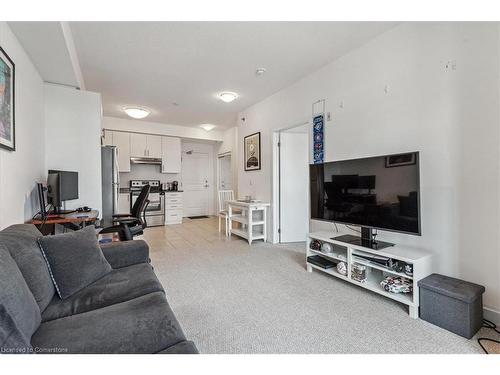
column 293, row 182
column 225, row 173
column 195, row 183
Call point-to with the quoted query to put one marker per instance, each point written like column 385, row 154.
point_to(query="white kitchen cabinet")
column 138, row 145
column 122, row 142
column 124, row 203
column 107, row 139
column 145, row 145
column 171, row 155
column 173, row 208
column 153, row 146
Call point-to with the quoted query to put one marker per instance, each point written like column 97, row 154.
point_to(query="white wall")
column 21, row 169
column 140, row 126
column 447, row 111
column 230, row 144
column 73, row 121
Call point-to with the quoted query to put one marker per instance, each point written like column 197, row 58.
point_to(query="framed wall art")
column 252, row 152
column 7, row 107
column 400, row 160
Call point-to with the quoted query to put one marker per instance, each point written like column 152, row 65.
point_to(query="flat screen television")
column 381, row 192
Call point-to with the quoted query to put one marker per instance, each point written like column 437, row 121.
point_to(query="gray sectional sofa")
column 125, row 311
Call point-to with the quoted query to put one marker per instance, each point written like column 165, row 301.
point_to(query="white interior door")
column 195, row 183
column 294, row 185
column 225, row 173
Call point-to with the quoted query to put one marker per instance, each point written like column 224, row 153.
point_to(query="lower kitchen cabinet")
column 173, row 208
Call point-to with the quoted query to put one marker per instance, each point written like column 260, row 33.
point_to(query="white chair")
column 224, row 196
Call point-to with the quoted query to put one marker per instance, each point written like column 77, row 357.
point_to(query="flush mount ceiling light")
column 137, row 112
column 207, row 127
column 228, row 96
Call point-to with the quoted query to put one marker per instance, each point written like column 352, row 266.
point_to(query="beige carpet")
column 234, row 298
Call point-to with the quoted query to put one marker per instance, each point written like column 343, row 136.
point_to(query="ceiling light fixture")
column 207, row 127
column 228, row 96
column 137, row 112
column 260, row 71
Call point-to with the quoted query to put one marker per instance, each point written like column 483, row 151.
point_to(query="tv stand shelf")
column 420, row 259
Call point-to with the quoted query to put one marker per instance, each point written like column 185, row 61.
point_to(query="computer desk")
column 74, row 219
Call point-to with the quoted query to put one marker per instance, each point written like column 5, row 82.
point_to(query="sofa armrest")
column 126, row 253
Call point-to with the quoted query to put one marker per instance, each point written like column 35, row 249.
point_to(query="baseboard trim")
column 492, row 315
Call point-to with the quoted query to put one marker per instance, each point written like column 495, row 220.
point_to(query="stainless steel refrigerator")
column 110, row 184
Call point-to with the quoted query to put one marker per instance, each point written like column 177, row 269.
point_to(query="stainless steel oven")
column 155, row 211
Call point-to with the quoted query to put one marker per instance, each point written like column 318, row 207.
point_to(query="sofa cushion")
column 75, row 260
column 21, row 241
column 19, row 312
column 143, row 325
column 118, row 286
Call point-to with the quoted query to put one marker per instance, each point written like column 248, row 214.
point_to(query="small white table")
column 253, row 219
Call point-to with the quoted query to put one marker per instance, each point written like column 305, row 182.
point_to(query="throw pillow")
column 19, row 312
column 75, row 260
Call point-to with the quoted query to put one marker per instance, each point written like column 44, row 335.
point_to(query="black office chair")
column 130, row 225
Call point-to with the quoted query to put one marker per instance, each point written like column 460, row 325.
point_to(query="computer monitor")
column 61, row 186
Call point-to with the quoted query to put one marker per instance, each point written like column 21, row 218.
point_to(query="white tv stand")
column 420, row 259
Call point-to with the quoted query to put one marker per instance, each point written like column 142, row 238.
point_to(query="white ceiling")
column 44, row 42
column 154, row 64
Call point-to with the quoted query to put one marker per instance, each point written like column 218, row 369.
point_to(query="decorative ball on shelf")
column 315, row 245
column 409, row 269
column 327, row 248
column 342, row 268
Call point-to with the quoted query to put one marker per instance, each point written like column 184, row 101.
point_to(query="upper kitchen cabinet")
column 145, row 145
column 154, row 146
column 171, row 155
column 122, row 142
column 138, row 145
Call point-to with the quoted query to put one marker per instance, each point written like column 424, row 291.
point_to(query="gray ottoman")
column 452, row 304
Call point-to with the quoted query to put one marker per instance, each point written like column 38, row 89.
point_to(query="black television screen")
column 380, row 192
